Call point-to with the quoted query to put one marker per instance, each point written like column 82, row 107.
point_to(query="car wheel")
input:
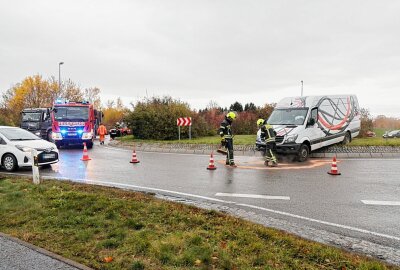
column 50, row 136
column 9, row 162
column 347, row 138
column 304, row 153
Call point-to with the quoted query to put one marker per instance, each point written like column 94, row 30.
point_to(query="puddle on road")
column 259, row 165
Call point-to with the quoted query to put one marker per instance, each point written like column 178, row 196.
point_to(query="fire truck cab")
column 74, row 123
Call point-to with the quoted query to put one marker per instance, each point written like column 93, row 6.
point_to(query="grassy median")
column 108, row 228
column 251, row 139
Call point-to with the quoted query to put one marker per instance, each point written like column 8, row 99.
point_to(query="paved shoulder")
column 18, row 255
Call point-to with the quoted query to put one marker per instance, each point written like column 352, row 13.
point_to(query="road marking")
column 372, row 202
column 322, row 222
column 111, row 184
column 254, row 196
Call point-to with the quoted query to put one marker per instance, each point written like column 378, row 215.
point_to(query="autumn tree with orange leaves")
column 36, row 92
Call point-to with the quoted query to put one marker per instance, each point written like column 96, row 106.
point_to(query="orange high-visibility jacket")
column 102, row 130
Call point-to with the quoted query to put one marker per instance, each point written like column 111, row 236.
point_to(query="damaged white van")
column 304, row 124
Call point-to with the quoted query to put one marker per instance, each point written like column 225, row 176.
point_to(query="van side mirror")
column 311, row 122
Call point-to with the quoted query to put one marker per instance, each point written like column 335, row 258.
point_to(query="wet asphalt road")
column 310, row 196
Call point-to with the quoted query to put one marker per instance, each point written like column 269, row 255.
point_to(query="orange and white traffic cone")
column 211, row 165
column 334, row 169
column 134, row 158
column 85, row 156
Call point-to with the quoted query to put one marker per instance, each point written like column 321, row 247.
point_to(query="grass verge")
column 92, row 225
column 250, row 140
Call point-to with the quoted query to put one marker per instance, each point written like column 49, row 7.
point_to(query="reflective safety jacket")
column 225, row 129
column 102, row 130
column 268, row 134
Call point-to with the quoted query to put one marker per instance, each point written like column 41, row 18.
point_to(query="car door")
column 314, row 132
column 3, row 146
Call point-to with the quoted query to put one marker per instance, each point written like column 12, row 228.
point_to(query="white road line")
column 111, row 184
column 372, row 202
column 322, row 222
column 254, row 196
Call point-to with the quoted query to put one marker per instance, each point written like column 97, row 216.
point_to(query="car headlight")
column 37, row 133
column 291, row 138
column 56, row 136
column 87, row 135
column 23, row 148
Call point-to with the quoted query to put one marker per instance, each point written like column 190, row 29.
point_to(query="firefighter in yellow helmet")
column 268, row 135
column 225, row 131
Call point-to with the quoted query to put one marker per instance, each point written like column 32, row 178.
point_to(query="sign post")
column 183, row 122
column 35, row 167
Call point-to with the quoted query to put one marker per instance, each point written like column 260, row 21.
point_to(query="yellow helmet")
column 260, row 122
column 231, row 115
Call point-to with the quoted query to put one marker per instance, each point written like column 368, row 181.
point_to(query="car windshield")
column 31, row 116
column 18, row 134
column 78, row 113
column 394, row 132
column 289, row 116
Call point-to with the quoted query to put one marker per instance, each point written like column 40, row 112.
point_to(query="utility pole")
column 301, row 88
column 59, row 75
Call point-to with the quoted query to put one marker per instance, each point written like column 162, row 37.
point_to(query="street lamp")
column 301, row 88
column 59, row 75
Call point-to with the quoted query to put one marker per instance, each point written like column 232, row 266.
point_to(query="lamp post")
column 301, row 88
column 59, row 75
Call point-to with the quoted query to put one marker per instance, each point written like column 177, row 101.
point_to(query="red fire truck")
column 74, row 123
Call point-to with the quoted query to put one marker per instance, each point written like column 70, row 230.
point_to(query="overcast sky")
column 197, row 51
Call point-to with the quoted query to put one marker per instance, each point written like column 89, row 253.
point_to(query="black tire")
column 89, row 145
column 347, row 138
column 9, row 162
column 49, row 136
column 58, row 144
column 304, row 153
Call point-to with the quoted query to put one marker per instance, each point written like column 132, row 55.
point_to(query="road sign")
column 184, row 121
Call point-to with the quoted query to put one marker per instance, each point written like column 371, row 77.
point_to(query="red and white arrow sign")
column 184, row 121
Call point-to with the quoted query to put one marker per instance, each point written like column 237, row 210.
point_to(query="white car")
column 16, row 145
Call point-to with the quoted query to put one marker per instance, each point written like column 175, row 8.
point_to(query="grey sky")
column 249, row 51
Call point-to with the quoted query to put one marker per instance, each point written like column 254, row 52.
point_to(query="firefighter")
column 268, row 135
column 225, row 132
column 102, row 131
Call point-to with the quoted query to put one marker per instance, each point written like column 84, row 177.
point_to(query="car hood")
column 39, row 145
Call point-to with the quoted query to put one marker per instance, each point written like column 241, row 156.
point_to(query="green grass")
column 250, row 140
column 375, row 141
column 88, row 223
column 238, row 139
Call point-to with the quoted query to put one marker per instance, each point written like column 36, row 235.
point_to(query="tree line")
column 150, row 118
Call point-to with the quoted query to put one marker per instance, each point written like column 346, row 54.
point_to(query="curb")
column 45, row 252
column 249, row 150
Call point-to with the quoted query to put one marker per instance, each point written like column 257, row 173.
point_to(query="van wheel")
column 304, row 153
column 347, row 138
column 9, row 162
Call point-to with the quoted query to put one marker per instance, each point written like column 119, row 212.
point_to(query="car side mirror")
column 311, row 122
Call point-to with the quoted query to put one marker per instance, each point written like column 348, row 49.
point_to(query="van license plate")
column 49, row 156
column 71, row 134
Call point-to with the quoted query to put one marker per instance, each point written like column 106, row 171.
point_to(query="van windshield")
column 290, row 116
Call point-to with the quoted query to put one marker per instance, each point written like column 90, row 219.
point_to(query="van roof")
column 312, row 101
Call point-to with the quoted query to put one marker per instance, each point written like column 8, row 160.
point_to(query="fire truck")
column 74, row 123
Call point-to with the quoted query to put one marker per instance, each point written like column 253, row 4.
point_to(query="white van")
column 304, row 124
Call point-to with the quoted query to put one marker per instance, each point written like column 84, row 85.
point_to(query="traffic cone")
column 211, row 165
column 85, row 156
column 334, row 169
column 134, row 158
